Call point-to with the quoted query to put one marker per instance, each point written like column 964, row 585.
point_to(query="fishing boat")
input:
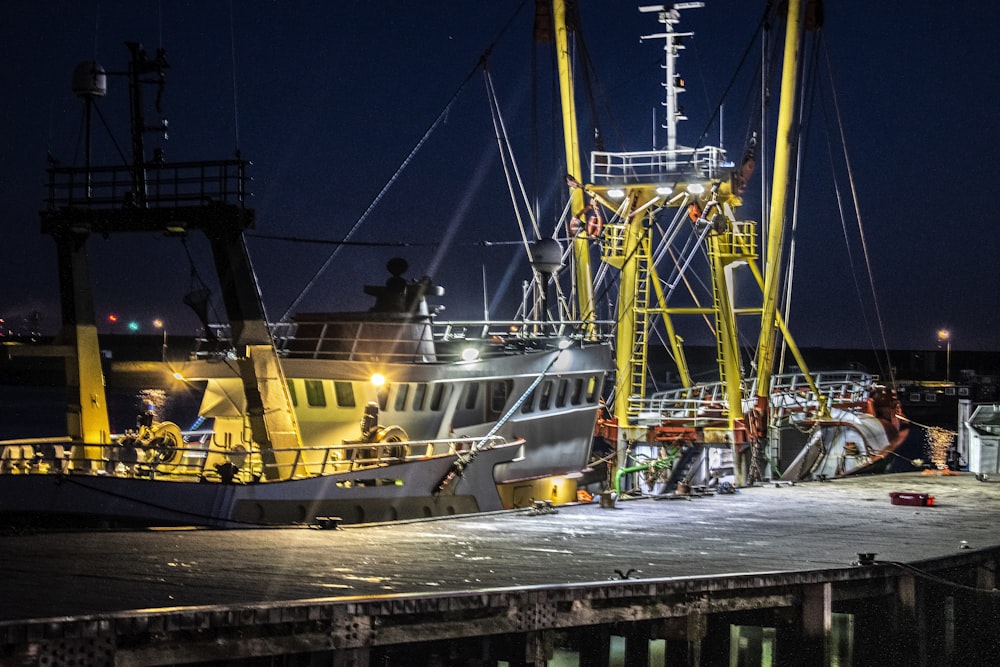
column 381, row 415
column 390, row 410
column 652, row 218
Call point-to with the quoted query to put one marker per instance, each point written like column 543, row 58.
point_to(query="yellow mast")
column 784, row 163
column 581, row 242
column 636, row 186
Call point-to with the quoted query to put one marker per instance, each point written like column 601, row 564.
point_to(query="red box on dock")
column 903, row 498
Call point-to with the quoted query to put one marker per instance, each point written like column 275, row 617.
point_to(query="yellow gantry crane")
column 703, row 189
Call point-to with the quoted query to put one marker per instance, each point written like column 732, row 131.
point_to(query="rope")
column 925, row 426
column 375, row 244
column 71, row 479
column 938, row 580
column 463, row 460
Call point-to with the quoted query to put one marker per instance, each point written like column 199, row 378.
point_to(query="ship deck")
column 787, row 528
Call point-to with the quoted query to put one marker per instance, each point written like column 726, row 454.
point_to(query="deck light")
column 470, row 354
column 616, row 193
column 378, row 379
column 695, row 188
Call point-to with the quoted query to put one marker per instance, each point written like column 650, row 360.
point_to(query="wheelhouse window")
column 402, row 391
column 315, row 395
column 577, row 397
column 291, row 393
column 471, row 395
column 529, row 402
column 438, row 395
column 344, row 393
column 561, row 393
column 546, row 396
column 419, row 395
column 499, row 392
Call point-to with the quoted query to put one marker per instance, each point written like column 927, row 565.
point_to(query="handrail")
column 200, row 462
column 706, row 163
column 167, row 185
column 789, row 391
column 417, row 341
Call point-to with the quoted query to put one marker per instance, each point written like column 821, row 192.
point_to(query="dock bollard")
column 607, row 500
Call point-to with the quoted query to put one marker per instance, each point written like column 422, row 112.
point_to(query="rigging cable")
column 732, row 81
column 857, row 213
column 375, row 202
column 507, row 160
column 399, row 170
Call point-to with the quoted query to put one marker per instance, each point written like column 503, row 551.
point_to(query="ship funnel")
column 89, row 80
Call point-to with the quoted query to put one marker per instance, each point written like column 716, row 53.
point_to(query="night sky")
column 328, row 99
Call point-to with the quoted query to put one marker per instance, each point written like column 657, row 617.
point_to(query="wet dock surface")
column 763, row 529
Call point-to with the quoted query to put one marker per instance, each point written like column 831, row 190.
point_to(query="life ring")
column 588, row 220
column 694, row 212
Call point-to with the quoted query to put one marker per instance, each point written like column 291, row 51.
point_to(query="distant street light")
column 944, row 336
column 158, row 324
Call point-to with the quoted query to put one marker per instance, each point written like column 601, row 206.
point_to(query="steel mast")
column 581, row 242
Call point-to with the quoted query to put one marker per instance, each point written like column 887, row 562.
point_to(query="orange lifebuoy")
column 588, row 220
column 594, row 223
column 694, row 212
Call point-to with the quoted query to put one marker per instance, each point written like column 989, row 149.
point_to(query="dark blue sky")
column 330, row 97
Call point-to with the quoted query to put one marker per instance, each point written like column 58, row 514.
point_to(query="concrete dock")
column 775, row 556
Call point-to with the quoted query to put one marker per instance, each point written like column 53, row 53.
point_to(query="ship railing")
column 201, row 460
column 417, row 342
column 157, row 185
column 687, row 412
column 697, row 407
column 790, row 392
column 664, row 167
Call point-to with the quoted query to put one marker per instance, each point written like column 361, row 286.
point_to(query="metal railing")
column 419, row 341
column 620, row 169
column 706, row 403
column 160, row 185
column 202, row 461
